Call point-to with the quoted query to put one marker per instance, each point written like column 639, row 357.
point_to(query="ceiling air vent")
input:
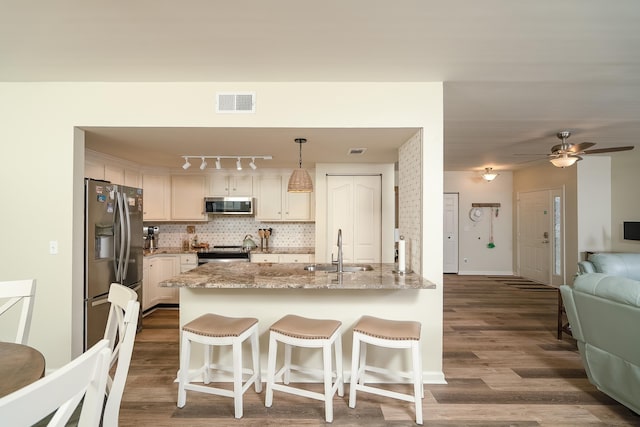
column 357, row 151
column 236, row 102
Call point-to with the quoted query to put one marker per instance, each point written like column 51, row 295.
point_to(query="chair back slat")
column 16, row 291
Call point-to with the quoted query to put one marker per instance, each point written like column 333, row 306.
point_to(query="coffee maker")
column 150, row 236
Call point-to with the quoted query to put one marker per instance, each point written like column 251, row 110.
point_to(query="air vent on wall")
column 235, row 102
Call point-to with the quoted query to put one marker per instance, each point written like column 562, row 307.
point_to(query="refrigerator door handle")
column 120, row 255
column 100, row 301
column 127, row 220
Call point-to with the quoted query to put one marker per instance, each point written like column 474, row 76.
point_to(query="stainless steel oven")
column 223, row 254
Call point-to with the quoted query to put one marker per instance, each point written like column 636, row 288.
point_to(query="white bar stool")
column 311, row 333
column 389, row 334
column 214, row 330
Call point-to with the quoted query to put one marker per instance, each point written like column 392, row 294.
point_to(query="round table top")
column 20, row 365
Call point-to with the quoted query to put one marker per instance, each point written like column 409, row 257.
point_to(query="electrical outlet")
column 53, row 247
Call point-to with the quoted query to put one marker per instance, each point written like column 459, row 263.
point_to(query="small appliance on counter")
column 150, row 237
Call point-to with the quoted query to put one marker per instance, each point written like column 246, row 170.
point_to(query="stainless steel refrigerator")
column 113, row 250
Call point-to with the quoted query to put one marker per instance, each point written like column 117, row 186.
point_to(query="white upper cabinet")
column 156, row 197
column 231, row 185
column 187, row 197
column 274, row 203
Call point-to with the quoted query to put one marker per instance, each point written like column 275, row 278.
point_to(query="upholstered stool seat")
column 397, row 334
column 310, row 333
column 214, row 330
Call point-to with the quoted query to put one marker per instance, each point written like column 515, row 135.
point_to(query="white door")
column 450, row 233
column 354, row 205
column 541, row 236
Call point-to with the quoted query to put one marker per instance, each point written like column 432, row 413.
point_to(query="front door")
column 541, row 236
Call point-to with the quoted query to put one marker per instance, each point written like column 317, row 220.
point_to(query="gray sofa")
column 603, row 308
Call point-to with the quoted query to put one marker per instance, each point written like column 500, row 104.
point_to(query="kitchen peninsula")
column 269, row 291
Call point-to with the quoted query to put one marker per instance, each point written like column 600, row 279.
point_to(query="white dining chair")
column 16, row 291
column 84, row 378
column 121, row 332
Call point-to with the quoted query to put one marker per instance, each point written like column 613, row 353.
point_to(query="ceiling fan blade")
column 572, row 148
column 609, row 150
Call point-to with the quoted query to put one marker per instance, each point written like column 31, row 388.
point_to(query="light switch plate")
column 53, row 247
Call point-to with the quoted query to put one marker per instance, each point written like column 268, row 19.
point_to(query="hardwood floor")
column 502, row 361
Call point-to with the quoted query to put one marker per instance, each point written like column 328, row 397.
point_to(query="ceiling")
column 514, row 73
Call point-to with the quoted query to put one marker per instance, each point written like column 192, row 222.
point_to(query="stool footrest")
column 302, row 392
column 386, row 393
column 384, row 371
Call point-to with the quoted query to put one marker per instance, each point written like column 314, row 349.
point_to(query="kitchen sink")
column 333, row 268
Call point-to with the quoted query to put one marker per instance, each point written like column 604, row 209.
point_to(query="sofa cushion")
column 617, row 264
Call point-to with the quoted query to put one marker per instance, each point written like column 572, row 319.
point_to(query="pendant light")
column 300, row 181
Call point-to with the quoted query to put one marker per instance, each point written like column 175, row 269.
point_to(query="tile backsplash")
column 228, row 230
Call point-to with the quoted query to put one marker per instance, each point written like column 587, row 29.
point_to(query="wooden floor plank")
column 502, row 361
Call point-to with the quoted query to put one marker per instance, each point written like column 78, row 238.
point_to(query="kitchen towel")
column 401, row 255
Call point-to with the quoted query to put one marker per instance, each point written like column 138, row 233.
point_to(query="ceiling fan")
column 566, row 154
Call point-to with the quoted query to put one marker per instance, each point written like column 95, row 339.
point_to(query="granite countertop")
column 168, row 251
column 293, row 276
column 284, row 250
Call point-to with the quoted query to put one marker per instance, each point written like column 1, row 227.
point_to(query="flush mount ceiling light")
column 563, row 161
column 186, row 165
column 300, row 181
column 489, row 175
column 203, row 165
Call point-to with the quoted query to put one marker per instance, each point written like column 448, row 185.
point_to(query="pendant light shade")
column 300, row 180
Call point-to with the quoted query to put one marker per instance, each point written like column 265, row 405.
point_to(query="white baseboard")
column 486, row 273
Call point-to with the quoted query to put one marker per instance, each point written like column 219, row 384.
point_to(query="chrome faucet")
column 340, row 254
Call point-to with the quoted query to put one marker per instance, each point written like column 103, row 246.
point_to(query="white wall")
column 473, row 254
column 43, row 175
column 625, row 197
column 594, row 204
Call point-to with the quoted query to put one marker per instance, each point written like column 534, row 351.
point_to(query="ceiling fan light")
column 489, row 175
column 564, row 161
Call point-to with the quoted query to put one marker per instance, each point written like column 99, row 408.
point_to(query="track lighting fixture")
column 204, row 163
column 186, row 165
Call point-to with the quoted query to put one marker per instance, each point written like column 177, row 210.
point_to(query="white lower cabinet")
column 157, row 268
column 283, row 258
column 188, row 262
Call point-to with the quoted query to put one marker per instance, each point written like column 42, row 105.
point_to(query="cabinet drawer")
column 190, row 259
column 295, row 258
column 264, row 258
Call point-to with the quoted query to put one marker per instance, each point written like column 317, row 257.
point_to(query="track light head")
column 186, row 165
column 252, row 164
column 203, row 165
column 239, row 164
column 218, row 166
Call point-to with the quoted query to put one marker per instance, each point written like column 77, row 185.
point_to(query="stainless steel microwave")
column 229, row 205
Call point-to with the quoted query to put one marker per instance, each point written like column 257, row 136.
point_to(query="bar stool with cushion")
column 310, row 333
column 389, row 334
column 214, row 330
